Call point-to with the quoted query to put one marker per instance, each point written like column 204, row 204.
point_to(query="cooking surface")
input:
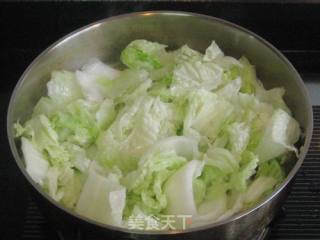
column 29, row 28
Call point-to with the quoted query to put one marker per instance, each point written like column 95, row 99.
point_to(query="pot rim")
column 52, row 47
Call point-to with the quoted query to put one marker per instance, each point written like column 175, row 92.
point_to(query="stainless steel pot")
column 105, row 39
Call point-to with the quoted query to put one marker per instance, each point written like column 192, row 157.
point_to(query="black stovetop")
column 27, row 28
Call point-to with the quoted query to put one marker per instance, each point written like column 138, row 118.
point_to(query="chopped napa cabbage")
column 248, row 76
column 214, row 205
column 145, row 185
column 234, row 205
column 247, row 169
column 205, row 115
column 199, row 190
column 98, row 68
column 182, row 146
column 274, row 97
column 258, row 187
column 63, row 87
column 105, row 114
column 125, row 84
column 46, row 106
column 213, row 52
column 179, row 189
column 268, row 176
column 64, row 185
column 247, row 73
column 186, row 54
column 46, row 139
column 280, row 134
column 177, row 132
column 227, row 63
column 222, row 159
column 71, row 183
column 76, row 123
column 193, row 75
column 230, row 90
column 52, row 182
column 90, row 76
column 239, row 136
column 142, row 54
column 79, row 159
column 36, row 165
column 137, row 127
column 102, row 198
